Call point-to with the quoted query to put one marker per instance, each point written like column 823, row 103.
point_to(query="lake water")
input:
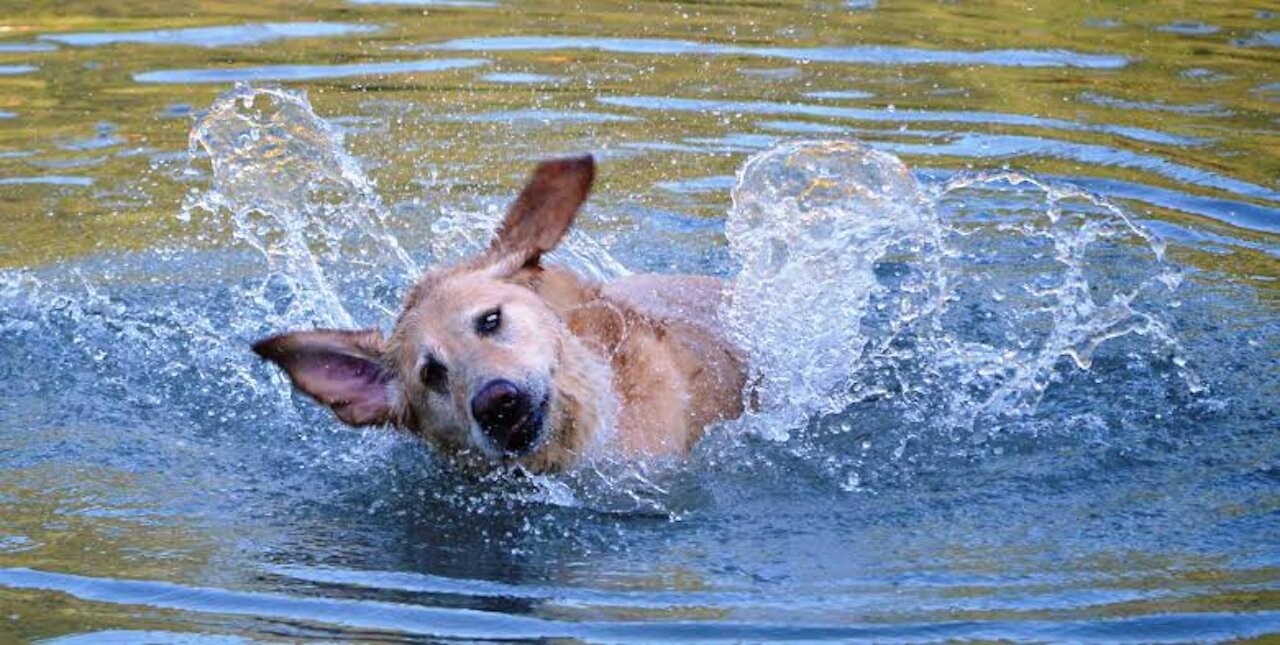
column 1028, row 392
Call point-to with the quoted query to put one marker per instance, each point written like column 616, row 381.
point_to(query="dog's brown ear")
column 341, row 369
column 543, row 212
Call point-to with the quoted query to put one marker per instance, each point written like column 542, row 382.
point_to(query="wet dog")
column 504, row 360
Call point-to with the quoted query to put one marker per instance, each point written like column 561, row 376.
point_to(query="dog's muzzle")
column 509, row 417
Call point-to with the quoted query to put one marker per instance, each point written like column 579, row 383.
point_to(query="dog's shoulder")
column 673, row 368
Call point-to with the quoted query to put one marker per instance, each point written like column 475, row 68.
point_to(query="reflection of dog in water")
column 502, row 359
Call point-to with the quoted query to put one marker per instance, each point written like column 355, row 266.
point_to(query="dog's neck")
column 587, row 402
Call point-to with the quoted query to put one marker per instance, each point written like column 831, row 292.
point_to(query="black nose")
column 505, row 413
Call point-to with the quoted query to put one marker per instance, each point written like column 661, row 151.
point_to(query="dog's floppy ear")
column 341, row 369
column 543, row 212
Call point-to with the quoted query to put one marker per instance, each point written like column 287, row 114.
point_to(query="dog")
column 501, row 360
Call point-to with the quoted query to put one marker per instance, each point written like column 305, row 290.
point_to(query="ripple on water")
column 1261, row 39
column 213, row 37
column 840, row 95
column 520, row 78
column 50, row 180
column 23, row 48
column 699, row 184
column 864, row 55
column 134, row 636
column 974, row 145
column 810, row 127
column 178, row 111
column 986, row 146
column 1202, row 109
column 305, row 72
column 464, row 4
column 609, row 623
column 105, row 137
column 893, row 115
column 516, row 117
column 1189, row 28
column 1236, row 213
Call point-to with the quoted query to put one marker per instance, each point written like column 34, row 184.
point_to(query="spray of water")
column 810, row 223
column 865, row 299
column 285, row 186
column 858, row 290
column 290, row 190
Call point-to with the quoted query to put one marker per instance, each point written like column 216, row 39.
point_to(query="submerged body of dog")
column 501, row 359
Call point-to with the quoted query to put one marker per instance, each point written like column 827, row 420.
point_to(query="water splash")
column 1073, row 305
column 281, row 185
column 911, row 310
column 158, row 343
column 810, row 222
column 291, row 191
column 864, row 301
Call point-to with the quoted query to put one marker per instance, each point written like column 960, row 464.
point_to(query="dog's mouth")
column 514, row 430
column 526, row 433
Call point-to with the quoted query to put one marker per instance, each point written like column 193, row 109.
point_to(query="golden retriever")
column 503, row 360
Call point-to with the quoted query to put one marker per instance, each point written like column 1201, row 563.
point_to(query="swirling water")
column 1017, row 371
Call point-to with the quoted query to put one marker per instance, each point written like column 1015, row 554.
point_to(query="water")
column 1016, row 350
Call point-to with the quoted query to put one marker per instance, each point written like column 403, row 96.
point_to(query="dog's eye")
column 435, row 376
column 488, row 322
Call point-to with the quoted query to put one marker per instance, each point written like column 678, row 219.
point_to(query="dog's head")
column 472, row 363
